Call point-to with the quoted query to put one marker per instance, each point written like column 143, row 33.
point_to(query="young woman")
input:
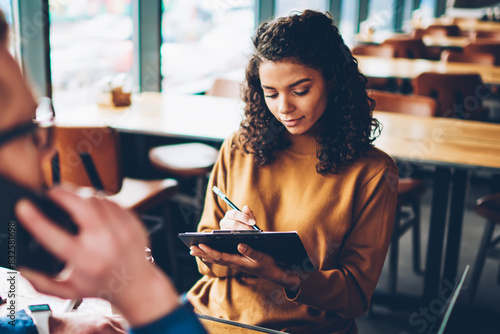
column 302, row 161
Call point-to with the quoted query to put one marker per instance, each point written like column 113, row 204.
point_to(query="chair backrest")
column 384, row 51
column 225, row 88
column 457, row 95
column 404, row 104
column 485, row 46
column 407, row 47
column 102, row 144
column 443, row 29
column 436, row 32
column 471, row 57
column 486, row 34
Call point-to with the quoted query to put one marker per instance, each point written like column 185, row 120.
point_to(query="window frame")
column 32, row 22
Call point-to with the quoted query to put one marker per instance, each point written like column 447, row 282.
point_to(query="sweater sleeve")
column 21, row 323
column 347, row 289
column 215, row 209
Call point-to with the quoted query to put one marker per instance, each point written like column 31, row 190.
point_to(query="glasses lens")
column 42, row 137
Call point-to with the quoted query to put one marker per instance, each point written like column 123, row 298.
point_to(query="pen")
column 225, row 199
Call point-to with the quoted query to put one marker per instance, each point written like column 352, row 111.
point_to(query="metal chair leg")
column 480, row 259
column 416, row 238
column 394, row 253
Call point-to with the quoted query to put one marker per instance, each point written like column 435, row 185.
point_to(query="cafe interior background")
column 78, row 51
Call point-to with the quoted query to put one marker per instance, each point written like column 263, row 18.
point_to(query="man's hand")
column 106, row 259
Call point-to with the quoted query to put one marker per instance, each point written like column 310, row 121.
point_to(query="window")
column 204, row 39
column 348, row 23
column 6, row 7
column 285, row 7
column 89, row 40
column 380, row 19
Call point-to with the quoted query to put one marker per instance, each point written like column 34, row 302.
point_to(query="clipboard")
column 284, row 247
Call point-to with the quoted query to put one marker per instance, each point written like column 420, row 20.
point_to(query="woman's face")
column 295, row 94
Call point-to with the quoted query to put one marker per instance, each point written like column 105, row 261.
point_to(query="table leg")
column 455, row 222
column 437, row 224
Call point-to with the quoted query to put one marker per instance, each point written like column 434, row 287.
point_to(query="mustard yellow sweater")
column 344, row 220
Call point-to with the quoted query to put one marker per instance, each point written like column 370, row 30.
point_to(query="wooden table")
column 182, row 116
column 446, row 42
column 454, row 147
column 466, row 24
column 475, row 25
column 410, row 68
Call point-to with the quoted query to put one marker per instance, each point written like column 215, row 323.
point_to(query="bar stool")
column 186, row 161
column 489, row 208
column 193, row 160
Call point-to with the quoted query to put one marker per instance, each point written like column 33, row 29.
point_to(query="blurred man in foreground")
column 110, row 240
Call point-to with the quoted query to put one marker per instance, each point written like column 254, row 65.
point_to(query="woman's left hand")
column 249, row 260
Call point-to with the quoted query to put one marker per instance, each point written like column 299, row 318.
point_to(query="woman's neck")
column 305, row 144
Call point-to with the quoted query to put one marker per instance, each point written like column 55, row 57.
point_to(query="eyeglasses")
column 40, row 128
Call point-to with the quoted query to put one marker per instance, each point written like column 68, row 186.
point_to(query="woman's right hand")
column 238, row 220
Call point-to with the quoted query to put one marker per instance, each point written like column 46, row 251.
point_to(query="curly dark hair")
column 346, row 129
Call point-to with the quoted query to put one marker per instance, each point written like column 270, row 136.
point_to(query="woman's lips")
column 292, row 122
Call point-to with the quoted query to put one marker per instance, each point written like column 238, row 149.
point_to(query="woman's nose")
column 285, row 105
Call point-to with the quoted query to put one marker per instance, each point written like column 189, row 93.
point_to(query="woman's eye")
column 302, row 93
column 272, row 96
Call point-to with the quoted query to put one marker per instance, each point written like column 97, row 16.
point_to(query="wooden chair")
column 383, row 51
column 483, row 34
column 225, row 88
column 485, row 46
column 376, row 50
column 404, row 104
column 487, row 207
column 457, row 95
column 410, row 190
column 446, row 29
column 91, row 157
column 419, row 33
column 412, row 48
column 471, row 57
